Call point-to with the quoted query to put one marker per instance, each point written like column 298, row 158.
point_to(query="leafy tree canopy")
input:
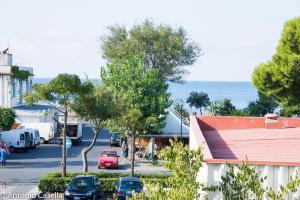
column 222, row 107
column 198, row 100
column 280, row 77
column 263, row 105
column 163, row 47
column 142, row 90
column 7, row 118
column 61, row 90
column 99, row 105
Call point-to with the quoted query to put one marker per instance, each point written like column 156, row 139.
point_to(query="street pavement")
column 23, row 170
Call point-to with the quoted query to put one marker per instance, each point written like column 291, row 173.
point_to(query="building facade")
column 12, row 90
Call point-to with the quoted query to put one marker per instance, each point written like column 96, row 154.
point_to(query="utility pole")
column 181, row 122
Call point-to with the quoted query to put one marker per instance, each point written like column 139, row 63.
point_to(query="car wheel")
column 11, row 149
column 42, row 140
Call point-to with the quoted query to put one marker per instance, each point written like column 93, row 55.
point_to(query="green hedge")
column 53, row 182
column 107, row 175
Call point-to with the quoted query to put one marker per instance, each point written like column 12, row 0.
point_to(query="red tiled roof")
column 232, row 139
column 270, row 145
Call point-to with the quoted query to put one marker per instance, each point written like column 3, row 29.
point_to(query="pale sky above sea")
column 56, row 36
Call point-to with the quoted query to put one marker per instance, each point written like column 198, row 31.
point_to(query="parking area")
column 23, row 170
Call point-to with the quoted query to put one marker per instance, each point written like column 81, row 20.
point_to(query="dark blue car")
column 83, row 188
column 126, row 186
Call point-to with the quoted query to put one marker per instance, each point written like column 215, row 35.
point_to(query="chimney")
column 5, row 59
column 271, row 121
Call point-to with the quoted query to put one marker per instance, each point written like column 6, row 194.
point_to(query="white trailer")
column 46, row 130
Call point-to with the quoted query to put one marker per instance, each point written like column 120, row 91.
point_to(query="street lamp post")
column 181, row 122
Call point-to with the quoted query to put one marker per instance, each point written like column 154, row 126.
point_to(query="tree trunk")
column 64, row 150
column 132, row 153
column 85, row 150
column 200, row 112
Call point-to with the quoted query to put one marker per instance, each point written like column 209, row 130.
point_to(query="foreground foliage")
column 54, row 182
column 185, row 165
column 243, row 182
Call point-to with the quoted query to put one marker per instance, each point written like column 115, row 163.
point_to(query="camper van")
column 17, row 139
column 45, row 130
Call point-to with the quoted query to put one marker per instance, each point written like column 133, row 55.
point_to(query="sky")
column 63, row 36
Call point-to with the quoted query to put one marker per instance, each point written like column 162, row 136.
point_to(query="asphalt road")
column 23, row 170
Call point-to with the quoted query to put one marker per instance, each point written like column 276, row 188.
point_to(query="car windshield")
column 115, row 135
column 82, row 182
column 109, row 153
column 131, row 185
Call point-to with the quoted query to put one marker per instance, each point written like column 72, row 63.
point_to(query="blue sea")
column 239, row 92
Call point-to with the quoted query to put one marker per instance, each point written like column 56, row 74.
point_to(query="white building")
column 12, row 90
column 271, row 145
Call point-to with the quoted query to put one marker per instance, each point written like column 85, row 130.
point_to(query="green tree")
column 185, row 165
column 288, row 111
column 178, row 105
column 222, row 107
column 145, row 94
column 98, row 107
column 61, row 93
column 198, row 100
column 163, row 47
column 280, row 77
column 263, row 105
column 7, row 118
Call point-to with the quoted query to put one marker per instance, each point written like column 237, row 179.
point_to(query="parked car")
column 115, row 139
column 108, row 159
column 83, row 187
column 18, row 139
column 126, row 186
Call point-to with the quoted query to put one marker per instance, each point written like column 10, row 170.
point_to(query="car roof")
column 129, row 179
column 108, row 150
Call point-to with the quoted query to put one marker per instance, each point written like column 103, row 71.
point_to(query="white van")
column 17, row 139
column 46, row 130
column 34, row 137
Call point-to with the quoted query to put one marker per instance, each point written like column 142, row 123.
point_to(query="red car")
column 108, row 159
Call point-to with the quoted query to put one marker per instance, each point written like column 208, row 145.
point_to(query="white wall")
column 210, row 174
column 173, row 124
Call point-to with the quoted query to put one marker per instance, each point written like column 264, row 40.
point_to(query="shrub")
column 53, row 182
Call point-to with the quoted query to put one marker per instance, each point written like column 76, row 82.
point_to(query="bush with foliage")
column 7, row 118
column 185, row 165
column 54, row 182
column 243, row 182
